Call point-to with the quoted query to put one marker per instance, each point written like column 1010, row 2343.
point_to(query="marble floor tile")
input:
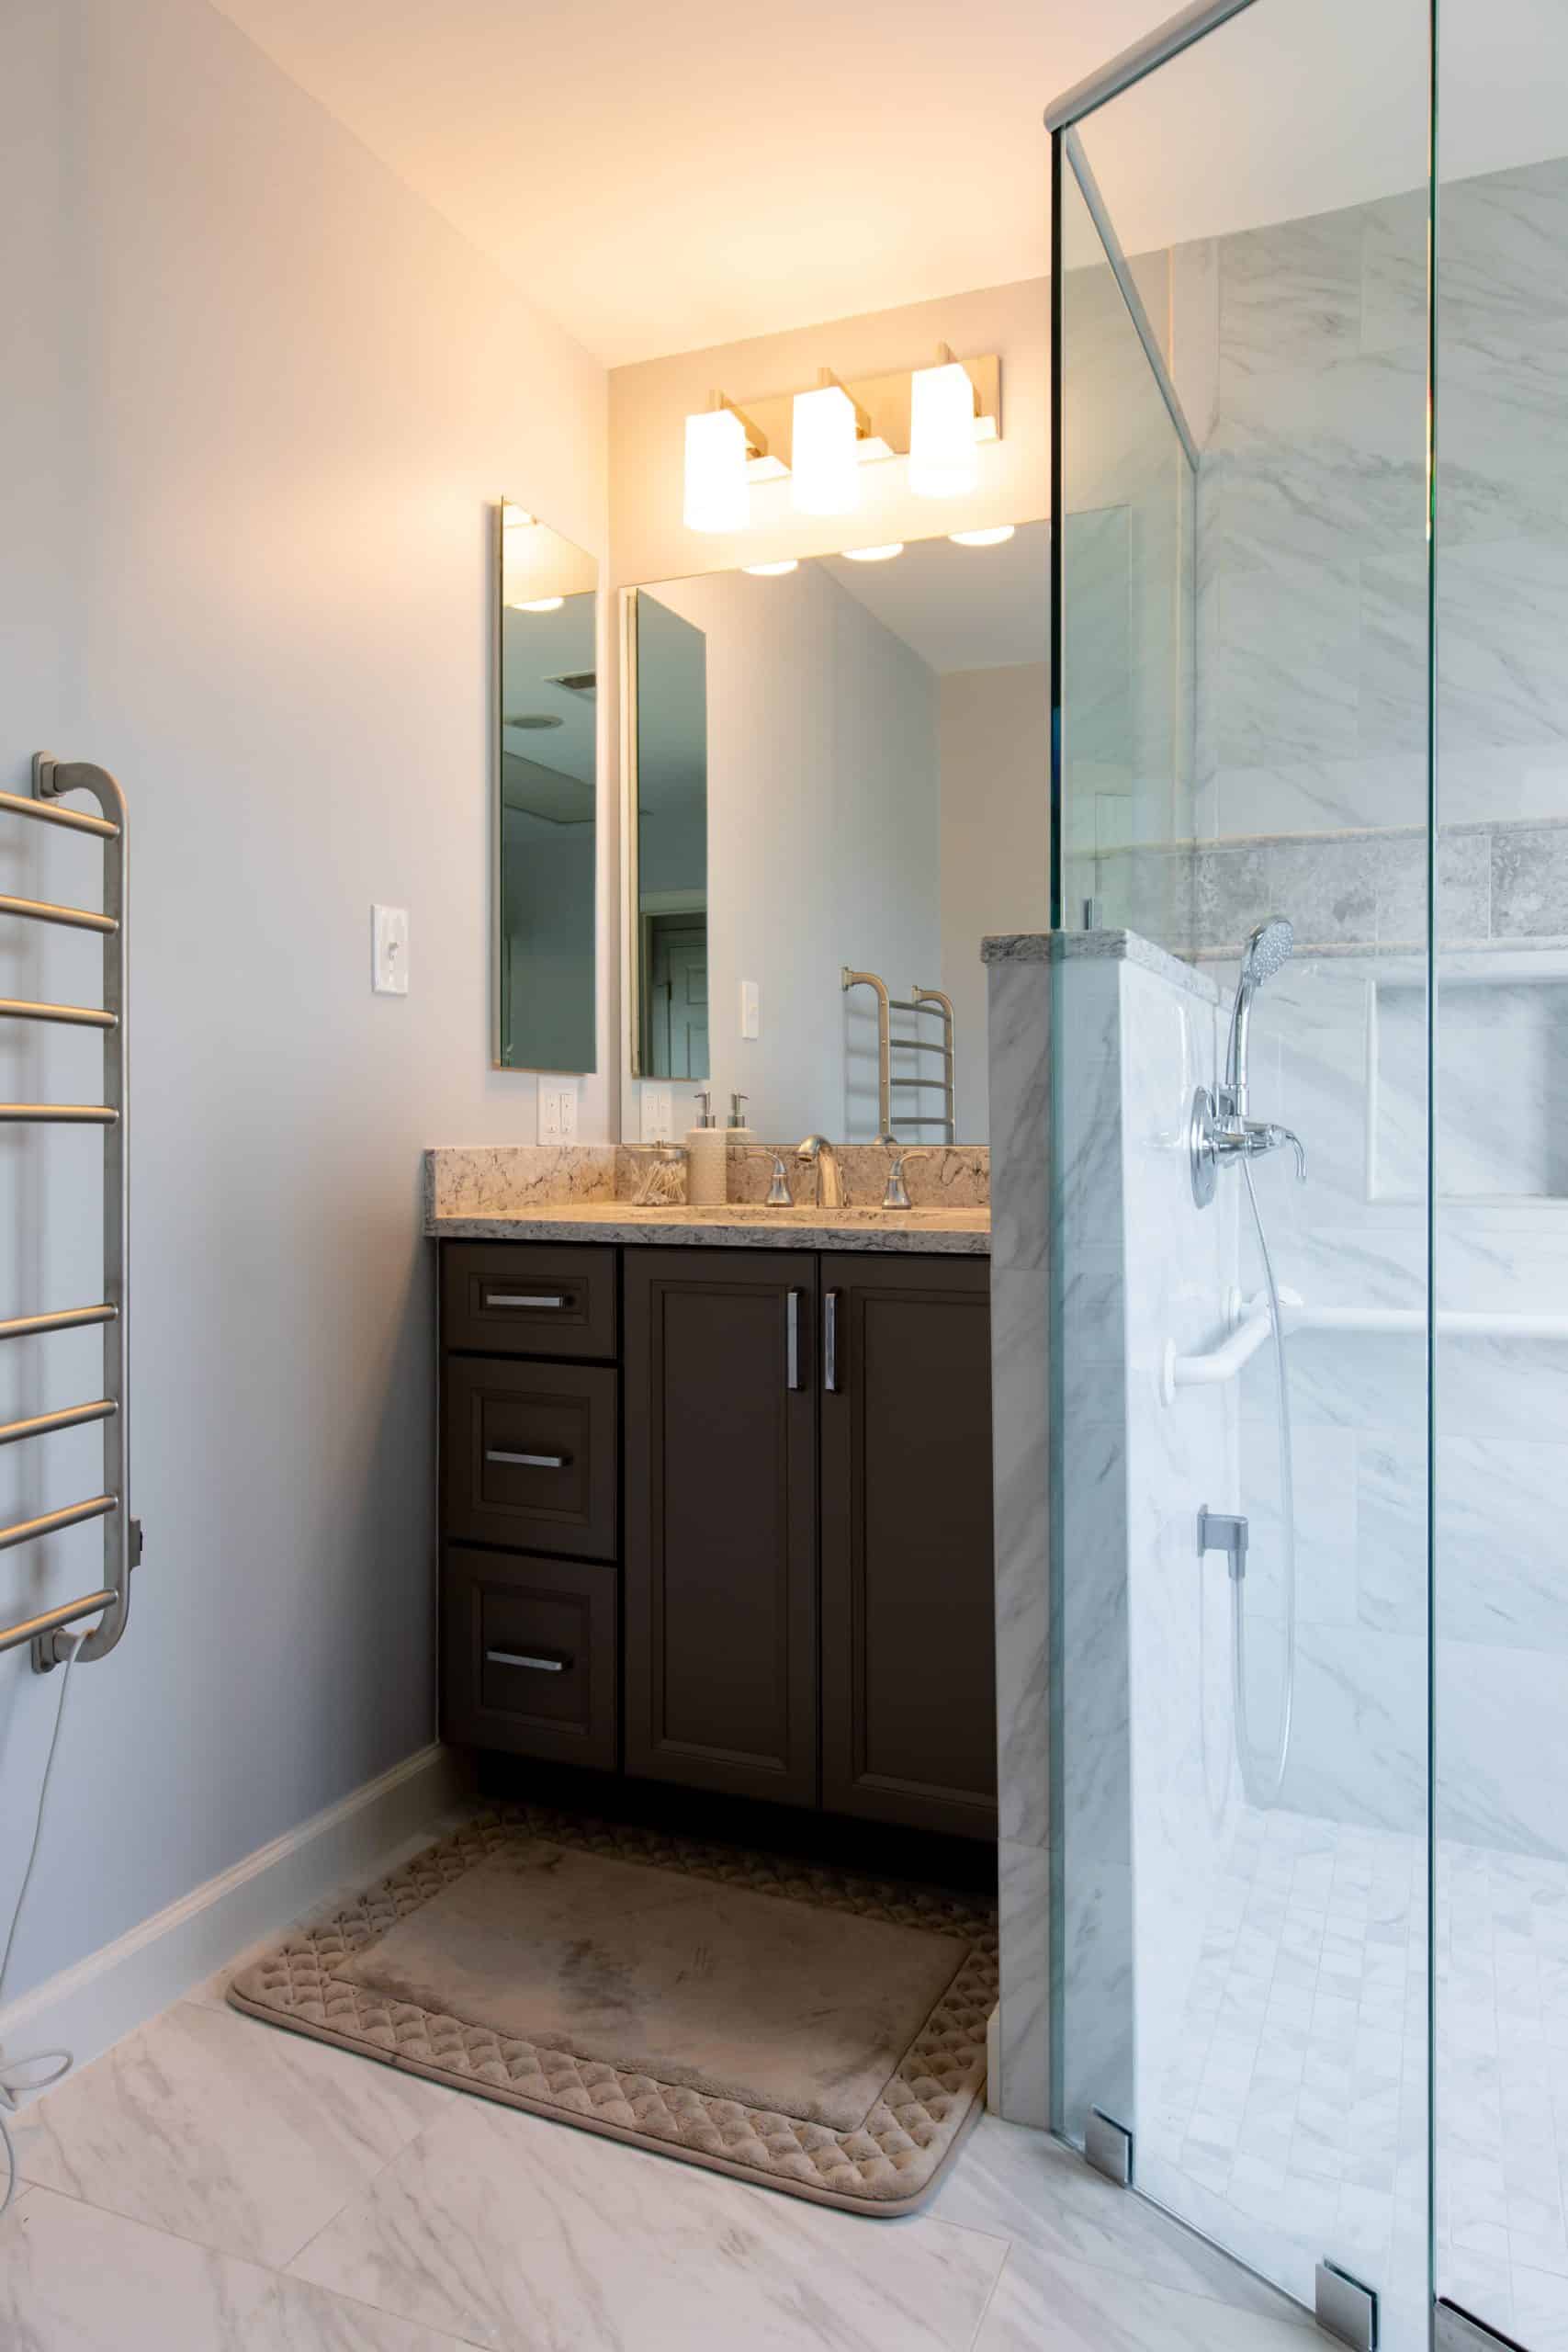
column 510, row 2230
column 1045, row 2303
column 74, row 2280
column 1028, row 2187
column 224, row 2130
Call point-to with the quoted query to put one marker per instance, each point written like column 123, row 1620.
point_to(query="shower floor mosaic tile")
column 1289, row 2119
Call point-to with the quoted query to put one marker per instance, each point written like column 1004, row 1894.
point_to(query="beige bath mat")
column 804, row 2027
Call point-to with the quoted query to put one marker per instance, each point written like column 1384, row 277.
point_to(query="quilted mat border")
column 887, row 2165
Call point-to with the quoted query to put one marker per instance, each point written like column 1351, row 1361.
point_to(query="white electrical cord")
column 18, row 2075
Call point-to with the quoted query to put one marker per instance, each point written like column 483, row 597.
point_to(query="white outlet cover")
column 558, row 1110
column 390, row 950
column 657, row 1114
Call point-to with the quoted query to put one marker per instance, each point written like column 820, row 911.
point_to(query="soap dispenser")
column 737, row 1136
column 706, row 1160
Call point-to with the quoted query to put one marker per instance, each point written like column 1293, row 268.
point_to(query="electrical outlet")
column 390, row 950
column 558, row 1110
column 657, row 1114
column 750, row 1010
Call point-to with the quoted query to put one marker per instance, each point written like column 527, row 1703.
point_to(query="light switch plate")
column 750, row 1010
column 657, row 1114
column 558, row 1110
column 390, row 950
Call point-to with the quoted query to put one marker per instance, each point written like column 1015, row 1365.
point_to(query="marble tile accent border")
column 1349, row 891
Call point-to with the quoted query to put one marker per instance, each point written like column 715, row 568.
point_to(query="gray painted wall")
column 256, row 400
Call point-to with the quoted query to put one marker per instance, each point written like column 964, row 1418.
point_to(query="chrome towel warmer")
column 919, row 1001
column 122, row 1534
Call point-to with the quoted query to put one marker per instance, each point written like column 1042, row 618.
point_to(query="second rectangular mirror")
column 841, row 762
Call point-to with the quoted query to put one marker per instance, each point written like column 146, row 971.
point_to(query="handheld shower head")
column 1267, row 949
column 1266, row 952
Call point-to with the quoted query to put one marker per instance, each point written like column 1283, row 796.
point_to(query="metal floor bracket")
column 1455, row 2331
column 1109, row 2148
column 1345, row 2308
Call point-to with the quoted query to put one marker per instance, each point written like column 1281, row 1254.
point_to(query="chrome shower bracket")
column 1226, row 1531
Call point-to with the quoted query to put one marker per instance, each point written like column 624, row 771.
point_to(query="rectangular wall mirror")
column 841, row 763
column 547, row 793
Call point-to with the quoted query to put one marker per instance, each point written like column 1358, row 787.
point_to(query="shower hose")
column 1263, row 1779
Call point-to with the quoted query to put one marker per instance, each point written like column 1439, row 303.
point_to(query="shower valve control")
column 1224, row 1531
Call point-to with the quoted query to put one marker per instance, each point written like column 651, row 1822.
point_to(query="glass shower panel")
column 1500, row 2121
column 1243, row 1767
column 1127, row 601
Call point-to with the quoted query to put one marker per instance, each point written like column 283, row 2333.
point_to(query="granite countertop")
column 965, row 1232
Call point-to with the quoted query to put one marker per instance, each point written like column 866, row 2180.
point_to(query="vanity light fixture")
column 829, row 424
column 996, row 537
column 944, row 407
column 540, row 604
column 875, row 555
column 720, row 442
column 773, row 570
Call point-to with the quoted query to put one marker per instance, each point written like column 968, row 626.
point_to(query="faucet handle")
column 897, row 1196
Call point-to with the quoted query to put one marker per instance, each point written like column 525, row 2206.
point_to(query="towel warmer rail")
column 122, row 1534
column 921, row 1000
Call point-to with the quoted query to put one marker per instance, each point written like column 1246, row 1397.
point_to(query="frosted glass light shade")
column 717, row 495
column 824, row 466
column 943, row 460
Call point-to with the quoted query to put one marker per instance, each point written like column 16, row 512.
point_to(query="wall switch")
column 558, row 1110
column 750, row 1010
column 390, row 950
column 657, row 1114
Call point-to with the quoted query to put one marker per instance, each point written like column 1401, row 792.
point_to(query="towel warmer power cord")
column 36, row 2072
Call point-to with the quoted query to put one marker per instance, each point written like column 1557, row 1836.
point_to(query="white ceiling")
column 961, row 608
column 661, row 178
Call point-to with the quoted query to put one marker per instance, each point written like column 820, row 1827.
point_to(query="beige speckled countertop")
column 585, row 1193
column 742, row 1226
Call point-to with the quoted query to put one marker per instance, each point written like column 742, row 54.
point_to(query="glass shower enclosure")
column 1310, row 1087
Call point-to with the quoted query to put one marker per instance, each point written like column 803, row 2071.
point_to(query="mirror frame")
column 497, row 803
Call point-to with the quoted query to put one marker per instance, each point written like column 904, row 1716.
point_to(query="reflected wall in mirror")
column 668, row 670
column 843, row 764
column 547, row 779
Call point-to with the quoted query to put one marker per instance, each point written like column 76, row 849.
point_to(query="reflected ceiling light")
column 538, row 604
column 773, row 570
column 875, row 555
column 942, row 458
column 533, row 720
column 995, row 537
column 720, row 442
column 825, row 460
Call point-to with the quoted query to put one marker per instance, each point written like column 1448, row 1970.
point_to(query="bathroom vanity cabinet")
column 721, row 1518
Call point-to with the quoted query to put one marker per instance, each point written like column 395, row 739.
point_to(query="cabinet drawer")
column 526, row 1298
column 529, row 1456
column 528, row 1655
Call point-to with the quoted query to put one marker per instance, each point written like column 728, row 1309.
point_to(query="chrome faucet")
column 818, row 1150
column 897, row 1196
column 1219, row 1130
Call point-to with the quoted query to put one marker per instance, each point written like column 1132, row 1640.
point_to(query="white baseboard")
column 90, row 2005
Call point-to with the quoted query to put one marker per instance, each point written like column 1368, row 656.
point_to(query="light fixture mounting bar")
column 881, row 401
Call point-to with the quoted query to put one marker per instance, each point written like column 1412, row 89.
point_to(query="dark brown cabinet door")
column 721, row 1520
column 909, row 1666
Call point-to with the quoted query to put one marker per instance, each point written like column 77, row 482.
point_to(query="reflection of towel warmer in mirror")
column 928, row 1003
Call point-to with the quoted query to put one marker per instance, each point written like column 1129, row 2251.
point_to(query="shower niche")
column 1500, row 1108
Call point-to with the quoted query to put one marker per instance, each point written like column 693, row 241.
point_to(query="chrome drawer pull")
column 830, row 1342
column 530, row 1461
column 507, row 1298
column 792, row 1341
column 520, row 1657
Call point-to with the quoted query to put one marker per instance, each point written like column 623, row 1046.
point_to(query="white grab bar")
column 1251, row 1323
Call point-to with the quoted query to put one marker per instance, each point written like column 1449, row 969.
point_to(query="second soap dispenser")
column 706, row 1157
